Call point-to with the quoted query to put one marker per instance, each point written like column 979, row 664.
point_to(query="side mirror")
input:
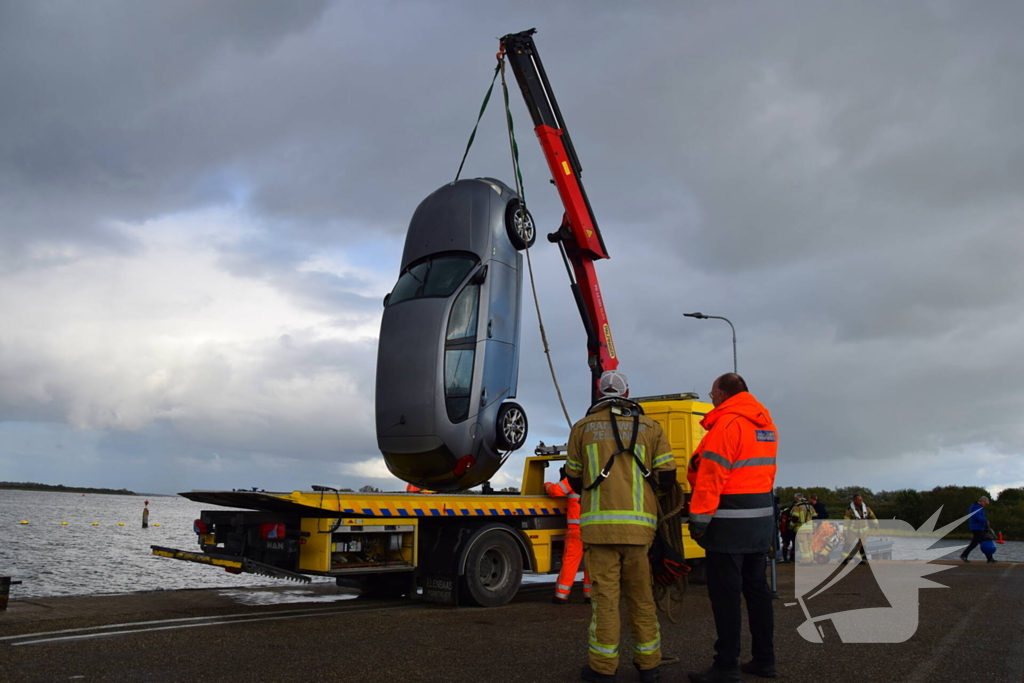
column 480, row 276
column 387, row 298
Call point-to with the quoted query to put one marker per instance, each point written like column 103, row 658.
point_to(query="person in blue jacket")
column 979, row 526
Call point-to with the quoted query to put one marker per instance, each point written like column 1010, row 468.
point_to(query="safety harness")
column 634, row 412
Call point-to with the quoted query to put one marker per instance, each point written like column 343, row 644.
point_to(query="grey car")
column 448, row 356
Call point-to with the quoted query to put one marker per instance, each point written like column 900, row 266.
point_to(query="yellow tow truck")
column 462, row 548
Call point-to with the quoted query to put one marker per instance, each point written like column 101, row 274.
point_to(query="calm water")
column 82, row 559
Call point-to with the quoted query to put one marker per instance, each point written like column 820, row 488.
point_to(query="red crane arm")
column 579, row 236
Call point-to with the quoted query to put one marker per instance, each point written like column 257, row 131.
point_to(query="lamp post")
column 701, row 316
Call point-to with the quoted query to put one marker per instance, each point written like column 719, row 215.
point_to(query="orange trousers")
column 571, row 558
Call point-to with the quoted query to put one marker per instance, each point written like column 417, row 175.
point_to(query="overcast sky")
column 203, row 204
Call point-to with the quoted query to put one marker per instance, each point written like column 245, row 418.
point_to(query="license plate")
column 207, row 539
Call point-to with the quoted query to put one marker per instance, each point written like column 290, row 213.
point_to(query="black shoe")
column 648, row 675
column 762, row 670
column 589, row 674
column 964, row 558
column 559, row 601
column 991, row 560
column 715, row 675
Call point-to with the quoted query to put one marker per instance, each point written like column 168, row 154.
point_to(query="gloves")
column 668, row 571
column 698, row 529
column 667, row 565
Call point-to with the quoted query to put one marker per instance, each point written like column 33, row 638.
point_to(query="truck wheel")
column 519, row 224
column 494, row 569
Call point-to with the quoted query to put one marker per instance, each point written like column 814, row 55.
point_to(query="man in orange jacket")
column 572, row 555
column 732, row 516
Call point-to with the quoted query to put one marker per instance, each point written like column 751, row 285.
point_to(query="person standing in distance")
column 732, row 475
column 979, row 526
column 617, row 459
column 819, row 508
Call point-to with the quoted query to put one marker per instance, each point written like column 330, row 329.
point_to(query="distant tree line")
column 1006, row 513
column 32, row 486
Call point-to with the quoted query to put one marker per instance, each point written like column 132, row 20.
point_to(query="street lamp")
column 701, row 316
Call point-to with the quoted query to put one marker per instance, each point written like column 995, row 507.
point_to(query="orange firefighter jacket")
column 732, row 476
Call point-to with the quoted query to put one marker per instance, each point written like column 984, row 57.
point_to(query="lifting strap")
column 607, row 469
column 500, row 69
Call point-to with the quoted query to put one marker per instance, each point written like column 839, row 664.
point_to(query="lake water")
column 83, row 559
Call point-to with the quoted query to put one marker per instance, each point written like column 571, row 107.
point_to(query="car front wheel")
column 511, row 427
column 519, row 225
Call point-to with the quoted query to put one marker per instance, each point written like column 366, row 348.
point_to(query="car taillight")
column 463, row 464
column 201, row 527
column 272, row 530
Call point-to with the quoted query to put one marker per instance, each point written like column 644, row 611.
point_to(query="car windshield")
column 438, row 277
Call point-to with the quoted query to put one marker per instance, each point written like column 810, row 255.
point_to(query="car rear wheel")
column 519, row 225
column 511, row 427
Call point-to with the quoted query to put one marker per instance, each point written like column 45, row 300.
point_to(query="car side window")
column 462, row 321
column 436, row 277
column 460, row 352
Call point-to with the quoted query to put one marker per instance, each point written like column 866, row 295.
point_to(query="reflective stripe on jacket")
column 732, row 475
column 562, row 489
column 622, row 509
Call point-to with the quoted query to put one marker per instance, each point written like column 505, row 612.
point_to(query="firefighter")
column 801, row 514
column 616, row 460
column 573, row 553
column 732, row 516
column 858, row 517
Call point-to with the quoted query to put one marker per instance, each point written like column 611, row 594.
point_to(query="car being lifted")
column 448, row 355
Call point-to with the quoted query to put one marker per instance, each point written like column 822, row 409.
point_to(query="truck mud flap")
column 232, row 563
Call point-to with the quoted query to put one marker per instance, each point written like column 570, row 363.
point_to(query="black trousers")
column 729, row 577
column 979, row 536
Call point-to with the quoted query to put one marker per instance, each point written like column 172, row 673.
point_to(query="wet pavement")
column 972, row 631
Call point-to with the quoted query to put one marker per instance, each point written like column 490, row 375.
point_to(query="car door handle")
column 483, row 397
column 490, row 328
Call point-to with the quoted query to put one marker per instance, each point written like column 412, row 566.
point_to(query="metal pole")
column 701, row 316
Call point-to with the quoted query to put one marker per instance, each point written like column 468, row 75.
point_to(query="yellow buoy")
column 156, row 524
column 120, row 523
column 24, row 521
column 95, row 523
column 63, row 523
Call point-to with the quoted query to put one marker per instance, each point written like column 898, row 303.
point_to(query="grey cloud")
column 841, row 181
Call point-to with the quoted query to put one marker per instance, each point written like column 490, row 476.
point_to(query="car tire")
column 511, row 427
column 494, row 569
column 522, row 231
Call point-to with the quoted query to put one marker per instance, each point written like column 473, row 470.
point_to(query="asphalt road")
column 974, row 631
